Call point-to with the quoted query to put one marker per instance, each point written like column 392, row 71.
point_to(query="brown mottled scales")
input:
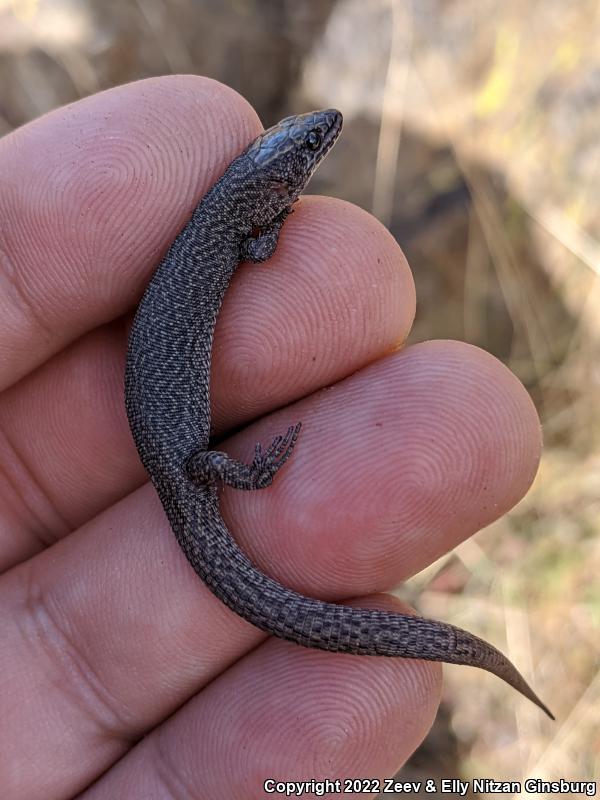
column 167, row 396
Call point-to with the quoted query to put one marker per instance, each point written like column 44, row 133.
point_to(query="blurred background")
column 472, row 131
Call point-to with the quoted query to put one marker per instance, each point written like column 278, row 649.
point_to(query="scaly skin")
column 167, row 383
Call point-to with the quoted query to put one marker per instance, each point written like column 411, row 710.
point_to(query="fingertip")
column 91, row 195
column 337, row 295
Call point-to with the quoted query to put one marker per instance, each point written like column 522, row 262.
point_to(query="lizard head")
column 285, row 156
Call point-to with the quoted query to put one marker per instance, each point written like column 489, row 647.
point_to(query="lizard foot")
column 266, row 465
column 210, row 466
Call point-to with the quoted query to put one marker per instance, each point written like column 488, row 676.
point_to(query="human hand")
column 108, row 636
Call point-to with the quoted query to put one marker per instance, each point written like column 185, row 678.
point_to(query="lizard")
column 167, row 398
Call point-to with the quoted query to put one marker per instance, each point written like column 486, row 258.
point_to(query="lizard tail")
column 264, row 602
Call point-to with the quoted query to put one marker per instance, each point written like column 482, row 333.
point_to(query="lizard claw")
column 266, row 465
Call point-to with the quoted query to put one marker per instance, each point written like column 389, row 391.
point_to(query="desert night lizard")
column 167, row 381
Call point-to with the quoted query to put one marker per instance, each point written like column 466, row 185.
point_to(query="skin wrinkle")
column 87, row 380
column 15, row 290
column 42, row 632
column 168, row 771
column 14, row 474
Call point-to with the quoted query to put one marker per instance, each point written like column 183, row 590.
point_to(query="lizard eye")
column 313, row 140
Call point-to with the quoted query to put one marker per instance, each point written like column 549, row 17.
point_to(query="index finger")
column 91, row 194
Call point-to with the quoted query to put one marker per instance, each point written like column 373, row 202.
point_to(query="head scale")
column 286, row 155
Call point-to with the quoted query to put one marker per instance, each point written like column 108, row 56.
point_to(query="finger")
column 65, row 450
column 337, row 295
column 285, row 713
column 400, row 463
column 286, row 329
column 90, row 196
column 395, row 465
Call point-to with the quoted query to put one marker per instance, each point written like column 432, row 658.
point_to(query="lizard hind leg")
column 209, row 466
